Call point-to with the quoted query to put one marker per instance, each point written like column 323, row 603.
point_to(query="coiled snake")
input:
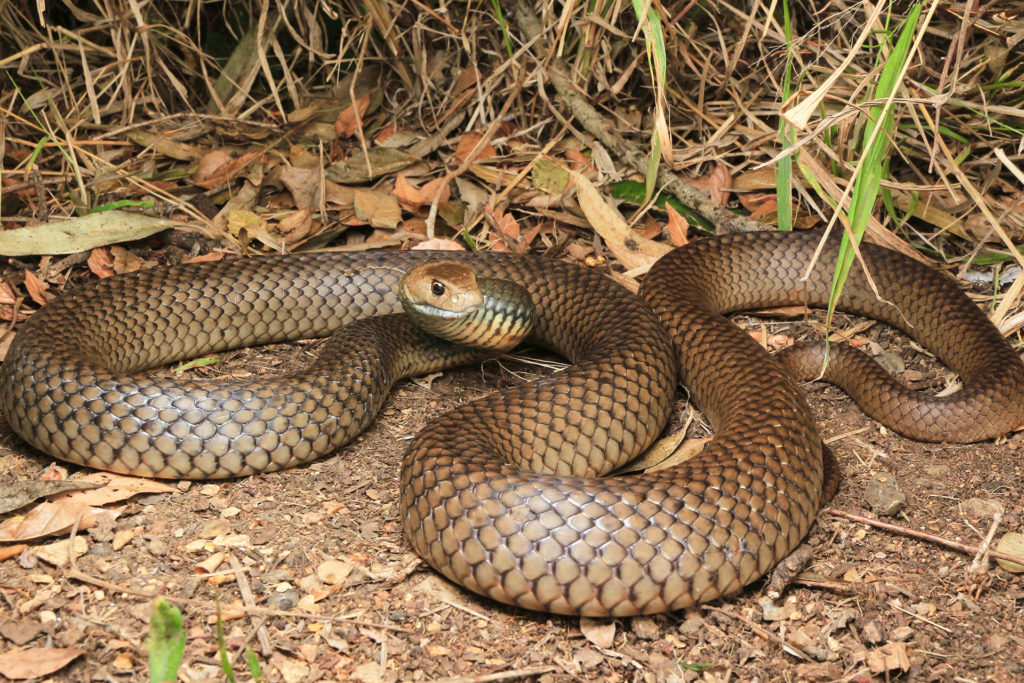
column 502, row 494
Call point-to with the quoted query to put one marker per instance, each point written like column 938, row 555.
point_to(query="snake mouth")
column 436, row 312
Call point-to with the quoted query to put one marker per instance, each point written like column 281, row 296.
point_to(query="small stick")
column 924, row 535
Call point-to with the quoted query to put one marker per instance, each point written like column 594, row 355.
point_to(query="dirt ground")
column 315, row 576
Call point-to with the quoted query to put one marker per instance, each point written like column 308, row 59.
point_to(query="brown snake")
column 501, row 495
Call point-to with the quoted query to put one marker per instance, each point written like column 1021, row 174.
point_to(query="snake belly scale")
column 503, row 495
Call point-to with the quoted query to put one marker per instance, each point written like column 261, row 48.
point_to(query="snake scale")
column 504, row 494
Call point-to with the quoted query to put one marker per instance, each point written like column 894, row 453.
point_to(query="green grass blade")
column 784, row 171
column 166, row 642
column 222, row 649
column 874, row 164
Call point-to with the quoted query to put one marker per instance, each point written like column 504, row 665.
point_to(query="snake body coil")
column 501, row 495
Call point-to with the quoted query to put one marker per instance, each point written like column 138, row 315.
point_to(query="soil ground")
column 318, row 580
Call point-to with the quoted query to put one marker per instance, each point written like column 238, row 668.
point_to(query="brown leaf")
column 601, row 633
column 889, row 657
column 296, row 225
column 632, row 250
column 124, row 260
column 226, row 170
column 101, row 263
column 717, row 182
column 114, row 488
column 439, row 187
column 648, row 227
column 468, row 143
column 209, row 163
column 37, row 662
column 759, row 203
column 36, row 287
column 379, row 209
column 440, row 243
column 54, row 472
column 303, row 184
column 348, row 122
column 505, row 222
column 47, row 519
column 407, row 193
column 678, row 227
column 203, row 258
column 7, row 294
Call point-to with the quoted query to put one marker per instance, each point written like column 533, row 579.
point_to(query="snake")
column 507, row 495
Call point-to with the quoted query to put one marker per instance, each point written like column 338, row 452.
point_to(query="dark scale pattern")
column 502, row 495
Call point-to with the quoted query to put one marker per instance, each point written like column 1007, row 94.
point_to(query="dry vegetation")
column 244, row 127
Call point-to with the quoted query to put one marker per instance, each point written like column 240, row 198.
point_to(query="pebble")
column 883, row 495
column 982, row 508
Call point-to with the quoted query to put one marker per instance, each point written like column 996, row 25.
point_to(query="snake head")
column 445, row 289
column 446, row 299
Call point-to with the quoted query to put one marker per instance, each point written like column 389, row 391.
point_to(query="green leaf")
column 635, row 193
column 166, row 642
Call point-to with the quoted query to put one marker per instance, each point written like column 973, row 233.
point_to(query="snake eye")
column 437, row 288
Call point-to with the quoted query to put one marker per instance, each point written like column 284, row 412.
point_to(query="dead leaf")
column 210, row 162
column 634, row 252
column 37, row 662
column 379, row 209
column 61, row 553
column 348, row 121
column 82, row 507
column 47, row 519
column 648, row 227
column 14, row 495
column 370, row 672
column 760, row 204
column 125, row 261
column 363, row 167
column 209, row 256
column 599, row 632
column 717, row 182
column 302, row 183
column 7, row 294
column 295, row 226
column 54, row 472
column 889, row 657
column 407, row 193
column 20, row 632
column 123, row 662
column 81, row 234
column 441, row 244
column 100, row 262
column 413, row 197
column 333, row 572
column 226, row 171
column 210, row 564
column 505, row 222
column 758, row 180
column 36, row 287
column 1011, row 543
column 113, row 489
column 678, row 227
column 467, row 78
column 468, row 143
